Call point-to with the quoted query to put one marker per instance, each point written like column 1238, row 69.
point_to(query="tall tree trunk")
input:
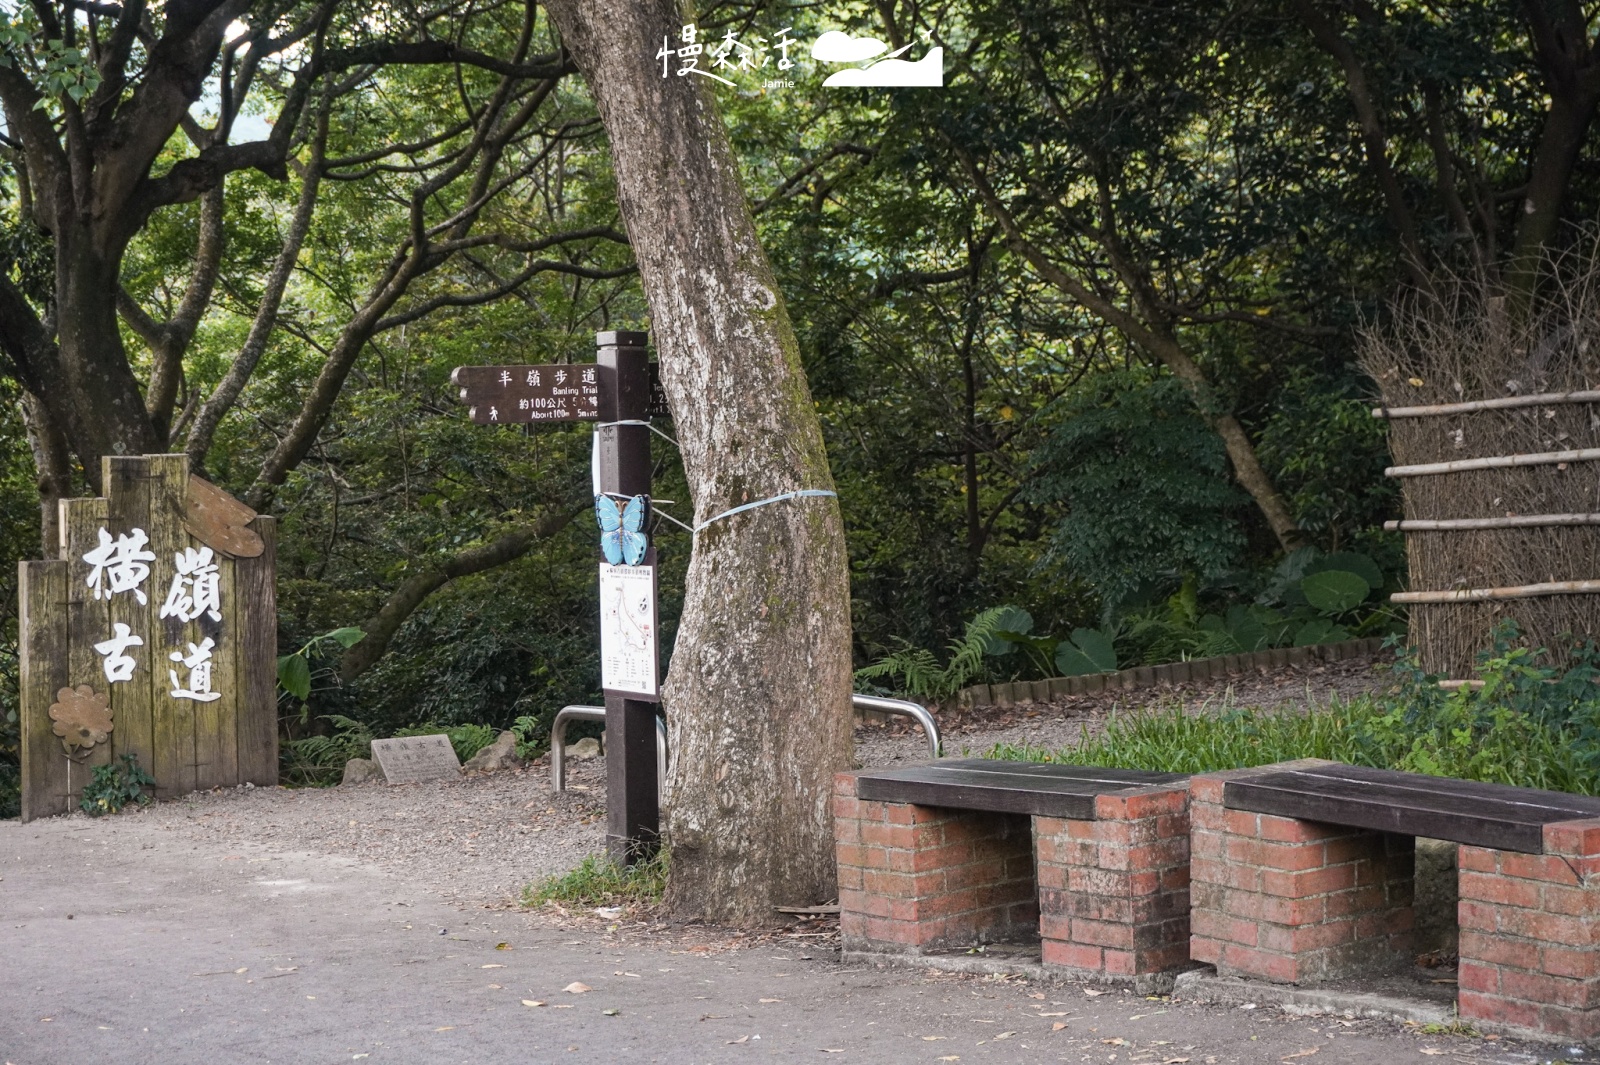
column 758, row 699
column 92, row 357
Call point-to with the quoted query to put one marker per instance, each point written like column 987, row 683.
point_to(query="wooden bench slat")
column 1413, row 804
column 1045, row 790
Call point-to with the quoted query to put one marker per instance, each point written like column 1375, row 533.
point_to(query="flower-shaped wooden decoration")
column 82, row 718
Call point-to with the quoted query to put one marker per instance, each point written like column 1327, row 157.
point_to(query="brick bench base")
column 1107, row 898
column 1530, row 935
column 1292, row 901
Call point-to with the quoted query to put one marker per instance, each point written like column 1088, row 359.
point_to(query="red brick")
column 1576, row 839
column 1548, row 867
column 1206, row 815
column 1259, row 963
column 1311, row 882
column 1049, row 826
column 1474, row 976
column 1569, row 1024
column 1294, row 830
column 1102, row 933
column 1478, row 859
column 1055, row 926
column 1498, row 950
column 1242, row 823
column 1494, row 1009
column 1543, row 989
column 1158, row 855
column 1356, row 901
column 1121, row 962
column 1477, row 916
column 882, row 835
column 1155, row 803
column 1201, row 948
column 1175, row 879
column 1206, row 788
column 1112, row 831
column 1571, row 901
column 879, row 882
column 1575, row 964
column 1367, row 846
column 1075, row 955
column 1144, row 883
column 1294, row 911
column 1173, row 826
column 943, row 856
column 1501, row 890
column 883, row 930
column 1223, row 927
column 1234, row 876
column 1552, row 928
column 844, row 784
column 850, row 878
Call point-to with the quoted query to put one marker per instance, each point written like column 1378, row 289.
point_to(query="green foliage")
column 115, row 786
column 467, row 740
column 918, row 672
column 294, row 670
column 1143, row 485
column 1089, row 651
column 318, row 761
column 598, row 881
column 533, row 738
column 1527, row 726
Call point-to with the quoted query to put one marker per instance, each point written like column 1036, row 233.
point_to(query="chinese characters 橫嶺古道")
column 121, row 565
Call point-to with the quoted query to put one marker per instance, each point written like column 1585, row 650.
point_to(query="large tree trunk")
column 758, row 698
column 93, row 360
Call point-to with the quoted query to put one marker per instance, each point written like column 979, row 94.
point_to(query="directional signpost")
column 618, row 392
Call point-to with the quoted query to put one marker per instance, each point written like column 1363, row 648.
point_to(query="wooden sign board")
column 507, row 395
column 153, row 633
column 411, row 759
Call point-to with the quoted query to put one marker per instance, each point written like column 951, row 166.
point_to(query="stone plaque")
column 413, row 758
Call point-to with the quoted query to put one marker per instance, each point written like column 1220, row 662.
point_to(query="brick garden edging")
column 1194, row 670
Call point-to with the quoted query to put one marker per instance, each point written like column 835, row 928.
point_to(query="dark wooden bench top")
column 1006, row 787
column 1411, row 804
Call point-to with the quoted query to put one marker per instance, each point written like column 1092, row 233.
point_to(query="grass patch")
column 1528, row 725
column 1166, row 739
column 598, row 881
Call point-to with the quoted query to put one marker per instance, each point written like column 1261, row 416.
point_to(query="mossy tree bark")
column 758, row 698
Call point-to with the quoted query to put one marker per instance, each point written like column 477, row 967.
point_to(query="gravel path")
column 478, row 841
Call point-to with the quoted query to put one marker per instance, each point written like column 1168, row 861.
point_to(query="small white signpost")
column 628, row 630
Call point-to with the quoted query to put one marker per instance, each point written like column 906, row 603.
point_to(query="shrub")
column 115, row 786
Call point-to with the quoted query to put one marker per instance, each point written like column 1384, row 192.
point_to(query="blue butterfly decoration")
column 620, row 537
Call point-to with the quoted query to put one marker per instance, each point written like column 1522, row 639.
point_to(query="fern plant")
column 918, row 673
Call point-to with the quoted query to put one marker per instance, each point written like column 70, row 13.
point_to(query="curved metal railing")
column 558, row 745
column 558, row 733
column 920, row 714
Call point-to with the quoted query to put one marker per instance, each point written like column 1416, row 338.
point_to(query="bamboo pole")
column 1520, row 521
column 1470, row 406
column 1516, row 591
column 1542, row 458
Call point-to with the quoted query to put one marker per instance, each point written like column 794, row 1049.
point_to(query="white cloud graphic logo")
column 927, row 72
column 836, row 47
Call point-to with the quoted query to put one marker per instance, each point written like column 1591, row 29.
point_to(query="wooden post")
column 42, row 662
column 633, row 816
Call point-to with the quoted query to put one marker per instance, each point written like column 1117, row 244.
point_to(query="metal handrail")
column 558, row 733
column 558, row 745
column 920, row 714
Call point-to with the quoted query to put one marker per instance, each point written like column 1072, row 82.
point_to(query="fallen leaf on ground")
column 1005, row 1035
column 1174, row 1061
column 1057, row 1013
column 446, row 1028
column 1117, row 1042
column 1431, row 1051
column 576, row 988
column 619, row 972
column 741, row 1039
column 1092, row 993
column 1306, row 1053
column 496, row 987
column 1037, row 994
column 1056, row 1027
column 494, row 966
column 831, row 1050
column 236, row 972
column 532, row 1002
column 502, row 946
column 947, row 1057
column 769, row 1000
column 612, row 1012
column 932, row 1038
